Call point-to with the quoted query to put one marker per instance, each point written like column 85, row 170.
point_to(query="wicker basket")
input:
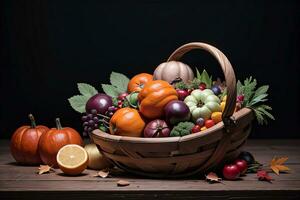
column 188, row 155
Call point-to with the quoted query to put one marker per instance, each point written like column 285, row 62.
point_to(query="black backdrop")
column 49, row 46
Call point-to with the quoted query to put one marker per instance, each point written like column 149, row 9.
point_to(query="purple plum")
column 100, row 102
column 176, row 111
column 157, row 128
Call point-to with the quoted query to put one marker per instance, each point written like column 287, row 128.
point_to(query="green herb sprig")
column 254, row 98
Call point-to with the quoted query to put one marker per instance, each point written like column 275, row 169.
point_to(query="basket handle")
column 227, row 70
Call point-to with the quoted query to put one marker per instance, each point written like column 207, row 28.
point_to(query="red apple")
column 231, row 172
column 242, row 165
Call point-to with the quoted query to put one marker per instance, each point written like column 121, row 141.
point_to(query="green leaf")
column 110, row 90
column 239, row 87
column 86, row 89
column 198, row 74
column 206, row 79
column 120, row 81
column 259, row 117
column 260, row 98
column 266, row 107
column 263, row 111
column 261, row 90
column 78, row 102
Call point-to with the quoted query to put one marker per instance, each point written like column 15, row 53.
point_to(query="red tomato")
column 209, row 123
column 242, row 165
column 231, row 172
column 196, row 129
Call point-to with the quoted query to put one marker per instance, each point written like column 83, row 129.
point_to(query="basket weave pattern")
column 188, row 155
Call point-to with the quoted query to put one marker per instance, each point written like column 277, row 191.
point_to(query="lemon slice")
column 72, row 159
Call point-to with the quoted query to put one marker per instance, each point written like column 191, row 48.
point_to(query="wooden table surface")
column 19, row 182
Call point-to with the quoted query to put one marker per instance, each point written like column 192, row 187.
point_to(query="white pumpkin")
column 172, row 71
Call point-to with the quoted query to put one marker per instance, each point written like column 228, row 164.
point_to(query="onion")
column 96, row 159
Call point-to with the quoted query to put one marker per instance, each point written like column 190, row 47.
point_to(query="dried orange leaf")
column 277, row 165
column 122, row 183
column 275, row 169
column 102, row 174
column 264, row 176
column 45, row 169
column 281, row 160
column 282, row 168
column 213, row 178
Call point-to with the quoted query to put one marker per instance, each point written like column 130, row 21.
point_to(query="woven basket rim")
column 106, row 136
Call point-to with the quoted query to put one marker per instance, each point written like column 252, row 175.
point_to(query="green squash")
column 202, row 103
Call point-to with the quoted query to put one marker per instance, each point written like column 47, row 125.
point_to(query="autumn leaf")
column 277, row 165
column 102, row 174
column 45, row 169
column 213, row 178
column 264, row 176
column 123, row 183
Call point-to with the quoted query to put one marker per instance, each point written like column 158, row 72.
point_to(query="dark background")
column 49, row 46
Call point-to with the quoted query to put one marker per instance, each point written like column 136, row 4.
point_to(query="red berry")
column 122, row 96
column 182, row 94
column 231, row 172
column 240, row 98
column 242, row 165
column 202, row 86
column 209, row 123
column 196, row 129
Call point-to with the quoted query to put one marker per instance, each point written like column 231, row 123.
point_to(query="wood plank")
column 21, row 182
column 29, row 173
column 150, row 195
column 147, row 185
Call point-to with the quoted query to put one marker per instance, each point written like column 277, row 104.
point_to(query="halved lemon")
column 72, row 159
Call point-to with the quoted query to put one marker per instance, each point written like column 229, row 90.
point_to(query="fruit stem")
column 104, row 122
column 32, row 120
column 58, row 124
column 103, row 116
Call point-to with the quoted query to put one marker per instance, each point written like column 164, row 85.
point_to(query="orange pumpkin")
column 54, row 139
column 153, row 98
column 24, row 143
column 138, row 82
column 127, row 122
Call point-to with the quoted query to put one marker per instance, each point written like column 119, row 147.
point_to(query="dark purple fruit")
column 100, row 102
column 216, row 89
column 176, row 111
column 182, row 94
column 247, row 156
column 200, row 121
column 157, row 128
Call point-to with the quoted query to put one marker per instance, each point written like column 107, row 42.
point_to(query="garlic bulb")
column 96, row 160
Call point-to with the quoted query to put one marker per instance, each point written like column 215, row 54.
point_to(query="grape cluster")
column 94, row 120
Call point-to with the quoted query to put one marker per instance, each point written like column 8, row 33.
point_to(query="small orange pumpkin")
column 138, row 82
column 153, row 98
column 54, row 139
column 127, row 122
column 24, row 143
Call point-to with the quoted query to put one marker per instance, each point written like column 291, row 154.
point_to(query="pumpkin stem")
column 32, row 120
column 58, row 124
column 176, row 80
